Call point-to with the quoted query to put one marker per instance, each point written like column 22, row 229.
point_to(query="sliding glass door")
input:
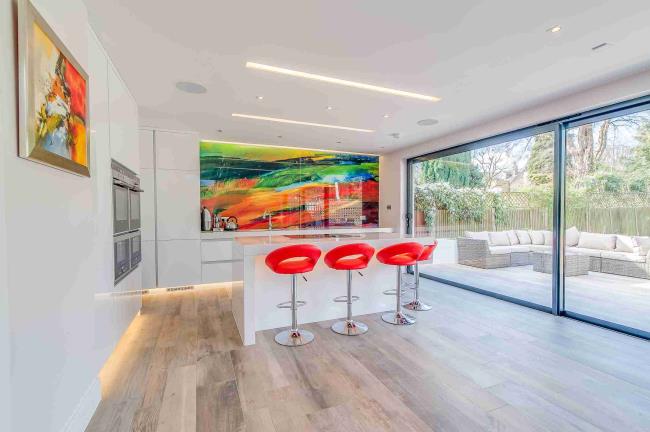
column 490, row 206
column 607, row 262
column 554, row 217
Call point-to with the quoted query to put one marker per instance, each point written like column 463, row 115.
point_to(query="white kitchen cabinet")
column 148, row 204
column 148, row 264
column 178, row 205
column 179, row 262
column 146, row 148
column 216, row 250
column 177, row 151
column 217, row 272
column 123, row 112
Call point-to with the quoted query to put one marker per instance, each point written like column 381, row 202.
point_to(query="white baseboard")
column 85, row 409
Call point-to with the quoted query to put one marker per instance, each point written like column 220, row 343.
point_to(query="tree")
column 540, row 164
column 456, row 170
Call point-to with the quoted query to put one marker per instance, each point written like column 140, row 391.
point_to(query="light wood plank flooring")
column 619, row 299
column 473, row 363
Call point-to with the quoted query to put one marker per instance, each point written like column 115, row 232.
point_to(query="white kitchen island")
column 254, row 299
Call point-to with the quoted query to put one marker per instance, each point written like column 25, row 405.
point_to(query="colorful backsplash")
column 299, row 188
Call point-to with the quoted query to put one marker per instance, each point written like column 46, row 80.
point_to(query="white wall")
column 57, row 231
column 395, row 163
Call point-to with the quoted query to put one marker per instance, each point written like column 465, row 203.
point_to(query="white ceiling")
column 483, row 58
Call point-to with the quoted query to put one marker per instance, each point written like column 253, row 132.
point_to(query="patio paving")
column 613, row 298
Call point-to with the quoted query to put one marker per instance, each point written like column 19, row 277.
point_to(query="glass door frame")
column 559, row 127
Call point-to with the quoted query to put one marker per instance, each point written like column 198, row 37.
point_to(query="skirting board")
column 85, row 409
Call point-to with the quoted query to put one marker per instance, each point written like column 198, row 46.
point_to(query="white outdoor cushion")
column 520, row 248
column 477, row 235
column 583, row 251
column 512, row 235
column 524, row 237
column 540, row 248
column 499, row 238
column 548, row 237
column 597, row 241
column 537, row 237
column 626, row 244
column 572, row 236
column 644, row 244
column 500, row 250
column 624, row 256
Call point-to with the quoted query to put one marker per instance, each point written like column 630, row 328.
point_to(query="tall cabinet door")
column 178, row 230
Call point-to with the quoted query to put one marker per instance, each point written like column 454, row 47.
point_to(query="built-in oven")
column 126, row 220
column 122, row 255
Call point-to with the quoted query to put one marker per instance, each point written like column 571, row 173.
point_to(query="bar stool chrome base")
column 416, row 305
column 294, row 338
column 398, row 318
column 349, row 328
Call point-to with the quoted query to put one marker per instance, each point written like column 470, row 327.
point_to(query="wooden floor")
column 473, row 363
column 619, row 299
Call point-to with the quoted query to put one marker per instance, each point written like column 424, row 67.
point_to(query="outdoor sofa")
column 608, row 253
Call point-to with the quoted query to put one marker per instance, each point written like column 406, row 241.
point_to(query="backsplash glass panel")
column 300, row 188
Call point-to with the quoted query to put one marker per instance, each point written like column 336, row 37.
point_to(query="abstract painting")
column 54, row 98
column 294, row 188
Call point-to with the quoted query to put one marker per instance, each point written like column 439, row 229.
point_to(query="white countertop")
column 229, row 235
column 265, row 244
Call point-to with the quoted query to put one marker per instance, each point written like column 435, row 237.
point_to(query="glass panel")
column 135, row 210
column 491, row 211
column 608, row 220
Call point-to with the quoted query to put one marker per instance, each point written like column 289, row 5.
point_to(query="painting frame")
column 28, row 18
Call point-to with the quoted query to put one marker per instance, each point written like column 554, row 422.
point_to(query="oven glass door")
column 136, row 250
column 120, row 209
column 122, row 253
column 134, row 205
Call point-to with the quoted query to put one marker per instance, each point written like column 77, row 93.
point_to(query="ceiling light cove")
column 554, row 29
column 280, row 120
column 338, row 81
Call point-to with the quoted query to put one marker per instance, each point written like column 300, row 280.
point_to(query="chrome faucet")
column 268, row 215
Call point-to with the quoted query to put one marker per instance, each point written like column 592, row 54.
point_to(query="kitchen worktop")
column 226, row 235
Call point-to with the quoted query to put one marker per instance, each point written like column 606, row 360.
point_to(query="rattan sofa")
column 608, row 253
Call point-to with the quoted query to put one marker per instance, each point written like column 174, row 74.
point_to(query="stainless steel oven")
column 126, row 220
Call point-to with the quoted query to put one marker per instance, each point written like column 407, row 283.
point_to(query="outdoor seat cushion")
column 524, row 237
column 597, row 253
column 626, row 244
column 539, row 248
column 500, row 250
column 512, row 235
column 499, row 238
column 624, row 256
column 644, row 244
column 572, row 236
column 597, row 241
column 537, row 237
column 519, row 248
column 477, row 235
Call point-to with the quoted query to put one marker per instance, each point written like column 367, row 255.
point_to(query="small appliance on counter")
column 206, row 219
column 231, row 224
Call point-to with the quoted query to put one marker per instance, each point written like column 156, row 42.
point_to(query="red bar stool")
column 416, row 304
column 349, row 257
column 398, row 255
column 293, row 260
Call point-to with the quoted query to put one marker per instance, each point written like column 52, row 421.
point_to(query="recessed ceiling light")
column 386, row 116
column 259, row 97
column 191, row 87
column 330, row 108
column 427, row 122
column 338, row 142
column 347, row 83
column 554, row 29
column 395, row 135
column 279, row 136
column 219, row 130
column 280, row 120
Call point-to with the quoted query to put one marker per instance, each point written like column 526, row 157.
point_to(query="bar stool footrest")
column 287, row 304
column 393, row 292
column 344, row 299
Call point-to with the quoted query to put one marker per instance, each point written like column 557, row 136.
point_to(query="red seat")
column 353, row 256
column 293, row 259
column 427, row 251
column 400, row 254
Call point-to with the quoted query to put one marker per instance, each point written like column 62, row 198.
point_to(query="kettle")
column 231, row 224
